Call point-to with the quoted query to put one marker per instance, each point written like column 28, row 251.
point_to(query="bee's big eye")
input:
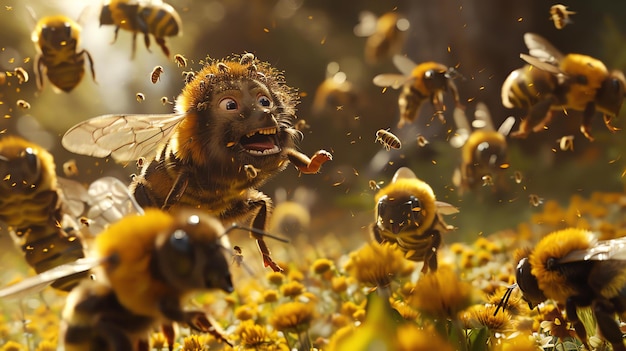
column 228, row 104
column 180, row 241
column 264, row 101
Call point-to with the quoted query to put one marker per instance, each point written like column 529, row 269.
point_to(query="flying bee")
column 195, row 157
column 388, row 139
column 483, row 150
column 559, row 14
column 385, row 35
column 335, row 90
column 156, row 74
column 566, row 143
column 408, row 214
column 180, row 60
column 33, row 208
column 574, row 269
column 57, row 39
column 21, row 74
column 140, row 97
column 553, row 81
column 424, row 82
column 150, row 17
column 23, row 104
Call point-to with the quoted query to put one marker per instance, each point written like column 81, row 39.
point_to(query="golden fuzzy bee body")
column 57, row 39
column 141, row 283
column 31, row 207
column 560, row 15
column 427, row 81
column 388, row 139
column 149, row 17
column 553, row 81
column 408, row 214
column 574, row 269
column 231, row 119
column 385, row 35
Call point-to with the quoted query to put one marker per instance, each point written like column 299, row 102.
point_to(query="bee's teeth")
column 265, row 131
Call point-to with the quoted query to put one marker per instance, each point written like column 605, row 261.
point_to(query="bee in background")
column 553, row 81
column 385, row 34
column 292, row 217
column 34, row 209
column 388, row 139
column 559, row 14
column 57, row 39
column 149, row 17
column 420, row 83
column 180, row 60
column 484, row 156
column 334, row 91
column 408, row 214
column 195, row 157
column 575, row 270
column 156, row 74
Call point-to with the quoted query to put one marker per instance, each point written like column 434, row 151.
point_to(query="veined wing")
column 404, row 64
column 537, row 63
column 540, row 48
column 601, row 251
column 123, row 137
column 506, row 126
column 109, row 201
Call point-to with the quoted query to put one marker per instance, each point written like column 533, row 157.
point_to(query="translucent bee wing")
column 463, row 128
column 393, row 80
column 403, row 173
column 506, row 126
column 482, row 118
column 404, row 64
column 109, row 201
column 542, row 49
column 123, row 137
column 544, row 66
column 445, row 208
column 40, row 281
column 73, row 196
column 367, row 24
column 601, row 251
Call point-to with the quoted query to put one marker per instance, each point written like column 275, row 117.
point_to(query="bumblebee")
column 424, row 82
column 143, row 16
column 483, row 150
column 559, row 14
column 408, row 214
column 553, row 81
column 388, row 139
column 57, row 39
column 229, row 119
column 335, row 91
column 33, row 209
column 385, row 34
column 574, row 269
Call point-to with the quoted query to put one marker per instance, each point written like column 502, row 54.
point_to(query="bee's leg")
column 134, row 46
column 607, row 123
column 259, row 223
column 455, row 94
column 38, row 72
column 197, row 320
column 430, row 258
column 168, row 331
column 376, row 234
column 177, row 190
column 93, row 73
column 585, row 127
column 604, row 312
column 570, row 309
column 308, row 165
column 117, row 30
column 161, row 42
column 437, row 102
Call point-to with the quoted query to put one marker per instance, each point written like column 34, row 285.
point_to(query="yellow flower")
column 12, row 346
column 323, row 265
column 519, row 342
column 292, row 289
column 270, row 296
column 410, row 337
column 275, row 278
column 339, row 284
column 292, row 316
column 296, row 275
column 406, row 311
column 483, row 315
column 348, row 308
column 441, row 294
column 257, row 337
column 376, row 264
column 193, row 343
column 245, row 312
column 47, row 346
column 158, row 340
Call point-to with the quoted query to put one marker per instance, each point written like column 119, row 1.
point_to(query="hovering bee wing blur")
column 445, row 208
column 73, row 196
column 544, row 66
column 602, row 251
column 394, row 80
column 463, row 129
column 38, row 282
column 506, row 126
column 367, row 24
column 542, row 49
column 482, row 118
column 404, row 64
column 109, row 200
column 125, row 138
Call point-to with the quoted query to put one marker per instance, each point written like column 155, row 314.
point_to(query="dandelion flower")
column 323, row 265
column 376, row 264
column 256, row 337
column 245, row 312
column 270, row 296
column 275, row 278
column 292, row 289
column 339, row 284
column 292, row 316
column 484, row 315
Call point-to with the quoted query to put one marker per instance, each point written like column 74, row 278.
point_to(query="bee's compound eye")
column 264, row 101
column 228, row 104
column 180, row 241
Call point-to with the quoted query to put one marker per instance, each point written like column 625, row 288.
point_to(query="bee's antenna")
column 256, row 231
column 505, row 298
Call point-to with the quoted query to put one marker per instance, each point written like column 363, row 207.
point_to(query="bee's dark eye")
column 180, row 241
column 264, row 101
column 228, row 104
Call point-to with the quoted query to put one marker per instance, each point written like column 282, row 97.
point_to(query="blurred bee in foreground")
column 408, row 214
column 385, row 34
column 229, row 118
column 574, row 269
column 559, row 14
column 334, row 91
column 424, row 82
column 34, row 209
column 57, row 39
column 553, row 81
column 483, row 150
column 143, row 16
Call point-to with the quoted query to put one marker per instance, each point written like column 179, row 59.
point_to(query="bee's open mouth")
column 261, row 142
